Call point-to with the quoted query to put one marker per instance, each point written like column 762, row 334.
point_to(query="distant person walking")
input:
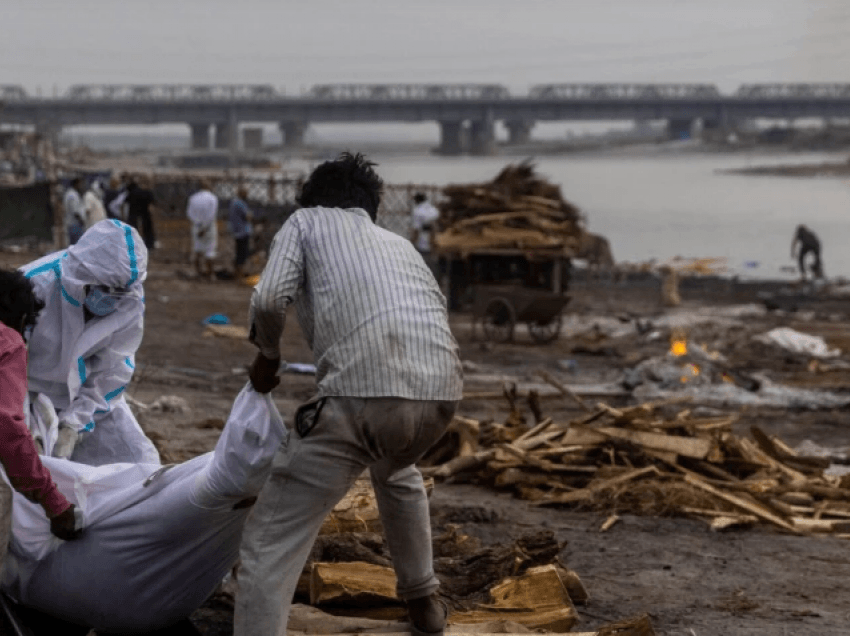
column 75, row 212
column 139, row 201
column 202, row 212
column 114, row 197
column 806, row 242
column 239, row 218
column 424, row 222
column 95, row 212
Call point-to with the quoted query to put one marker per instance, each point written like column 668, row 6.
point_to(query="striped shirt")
column 367, row 303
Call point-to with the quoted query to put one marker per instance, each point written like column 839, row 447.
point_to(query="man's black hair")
column 76, row 182
column 348, row 181
column 19, row 306
column 419, row 198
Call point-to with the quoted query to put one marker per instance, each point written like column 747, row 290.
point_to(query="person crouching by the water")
column 389, row 379
column 808, row 243
column 19, row 309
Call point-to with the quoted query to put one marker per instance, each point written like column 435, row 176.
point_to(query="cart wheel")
column 544, row 332
column 499, row 320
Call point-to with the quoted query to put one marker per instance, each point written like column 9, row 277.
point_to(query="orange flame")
column 679, row 348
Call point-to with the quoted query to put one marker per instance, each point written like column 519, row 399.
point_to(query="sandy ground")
column 692, row 581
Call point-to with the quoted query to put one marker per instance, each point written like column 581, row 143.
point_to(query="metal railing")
column 623, row 91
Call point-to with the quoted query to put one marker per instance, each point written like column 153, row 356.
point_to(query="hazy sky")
column 294, row 44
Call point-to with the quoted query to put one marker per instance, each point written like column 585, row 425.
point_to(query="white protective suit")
column 84, row 367
column 157, row 541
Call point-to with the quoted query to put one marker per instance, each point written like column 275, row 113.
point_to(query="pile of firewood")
column 643, row 460
column 517, row 210
column 522, row 583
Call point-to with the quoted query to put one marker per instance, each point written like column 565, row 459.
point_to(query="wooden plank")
column 751, row 507
column 695, row 447
column 357, row 512
column 563, row 388
column 588, row 492
column 821, row 525
column 537, row 599
column 355, row 582
column 724, row 522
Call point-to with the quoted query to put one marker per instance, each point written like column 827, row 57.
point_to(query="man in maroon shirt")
column 19, row 309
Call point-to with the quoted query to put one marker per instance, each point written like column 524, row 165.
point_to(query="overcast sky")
column 295, row 44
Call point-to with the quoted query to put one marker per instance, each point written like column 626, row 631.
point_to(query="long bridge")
column 466, row 113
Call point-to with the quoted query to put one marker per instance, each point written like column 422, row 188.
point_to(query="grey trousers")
column 5, row 520
column 310, row 475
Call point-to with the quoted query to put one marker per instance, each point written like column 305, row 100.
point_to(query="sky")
column 48, row 45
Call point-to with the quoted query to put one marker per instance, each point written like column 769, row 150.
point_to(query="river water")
column 669, row 204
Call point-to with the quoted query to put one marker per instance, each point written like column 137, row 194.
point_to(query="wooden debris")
column 517, row 210
column 636, row 626
column 351, row 583
column 357, row 512
column 537, row 600
column 634, row 459
column 609, row 523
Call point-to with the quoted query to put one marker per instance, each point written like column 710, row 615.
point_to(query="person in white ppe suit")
column 81, row 352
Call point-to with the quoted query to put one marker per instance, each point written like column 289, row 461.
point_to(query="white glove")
column 65, row 442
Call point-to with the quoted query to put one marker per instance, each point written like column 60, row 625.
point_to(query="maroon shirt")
column 18, row 453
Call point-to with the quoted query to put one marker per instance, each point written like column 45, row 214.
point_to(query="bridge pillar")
column 679, row 128
column 482, row 138
column 453, row 138
column 519, row 131
column 293, row 133
column 200, row 136
column 223, row 132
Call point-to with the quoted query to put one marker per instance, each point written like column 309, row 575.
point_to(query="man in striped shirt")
column 389, row 378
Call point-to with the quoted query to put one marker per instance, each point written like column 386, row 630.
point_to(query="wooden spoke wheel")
column 499, row 320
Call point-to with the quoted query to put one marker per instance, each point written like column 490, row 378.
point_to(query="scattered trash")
column 236, row 332
column 216, row 319
column 798, row 342
column 298, row 367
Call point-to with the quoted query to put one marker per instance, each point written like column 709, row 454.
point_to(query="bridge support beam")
column 482, row 138
column 200, row 136
column 519, row 131
column 223, row 133
column 453, row 138
column 679, row 128
column 293, row 133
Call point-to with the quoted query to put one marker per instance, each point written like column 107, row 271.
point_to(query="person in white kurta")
column 82, row 358
column 202, row 211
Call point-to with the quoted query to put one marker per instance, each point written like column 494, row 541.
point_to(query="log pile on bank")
column 516, row 210
column 643, row 460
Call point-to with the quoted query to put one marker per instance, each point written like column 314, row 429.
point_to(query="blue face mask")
column 102, row 301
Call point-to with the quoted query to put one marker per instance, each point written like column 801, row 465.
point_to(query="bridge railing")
column 408, row 91
column 794, row 91
column 623, row 91
column 170, row 92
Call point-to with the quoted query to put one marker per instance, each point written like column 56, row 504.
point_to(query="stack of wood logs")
column 517, row 210
column 636, row 460
column 521, row 584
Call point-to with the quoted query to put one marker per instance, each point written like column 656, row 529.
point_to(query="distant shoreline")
column 826, row 169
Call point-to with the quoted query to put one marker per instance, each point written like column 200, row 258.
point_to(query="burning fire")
column 691, row 371
column 679, row 348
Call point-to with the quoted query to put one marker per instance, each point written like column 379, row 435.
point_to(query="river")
column 669, row 204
